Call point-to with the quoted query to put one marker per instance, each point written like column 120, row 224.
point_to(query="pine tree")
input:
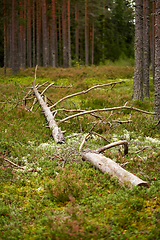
column 69, row 35
column 146, row 42
column 15, row 65
column 45, row 35
column 138, row 72
column 29, row 64
column 86, row 35
column 54, row 37
column 157, row 59
column 64, row 33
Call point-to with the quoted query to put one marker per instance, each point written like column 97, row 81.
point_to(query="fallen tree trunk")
column 56, row 131
column 105, row 164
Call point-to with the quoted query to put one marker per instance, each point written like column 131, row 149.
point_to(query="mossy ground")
column 76, row 201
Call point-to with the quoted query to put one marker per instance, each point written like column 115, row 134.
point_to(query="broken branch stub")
column 123, row 142
column 56, row 131
column 106, row 165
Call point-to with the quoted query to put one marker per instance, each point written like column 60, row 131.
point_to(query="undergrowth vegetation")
column 65, row 197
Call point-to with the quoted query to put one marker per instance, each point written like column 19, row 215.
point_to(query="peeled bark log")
column 105, row 164
column 56, row 131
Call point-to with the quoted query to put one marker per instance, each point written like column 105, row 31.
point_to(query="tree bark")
column 5, row 38
column 45, row 35
column 21, row 36
column 86, row 34
column 106, row 165
column 60, row 37
column 54, row 42
column 77, row 31
column 153, row 41
column 29, row 63
column 69, row 35
column 15, row 65
column 38, row 31
column 157, row 60
column 56, row 131
column 33, row 17
column 138, row 72
column 146, row 15
column 24, row 36
column 92, row 43
column 64, row 32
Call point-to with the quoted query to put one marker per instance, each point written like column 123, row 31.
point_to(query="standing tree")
column 15, row 64
column 69, row 35
column 45, row 35
column 5, row 39
column 152, row 42
column 138, row 72
column 86, row 35
column 64, row 33
column 77, row 31
column 33, row 17
column 29, row 34
column 54, row 37
column 92, row 58
column 60, row 37
column 157, row 59
column 38, row 31
column 146, row 15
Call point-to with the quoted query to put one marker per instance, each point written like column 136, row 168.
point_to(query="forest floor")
column 66, row 198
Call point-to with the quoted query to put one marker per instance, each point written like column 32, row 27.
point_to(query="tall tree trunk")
column 29, row 63
column 10, row 40
column 45, row 35
column 15, row 65
column 64, row 32
column 77, row 31
column 60, row 37
column 152, row 41
column 138, row 72
column 69, row 35
column 54, row 37
column 92, row 43
column 5, row 38
column 146, row 47
column 103, row 30
column 86, row 34
column 38, row 31
column 157, row 59
column 33, row 17
column 24, row 35
column 21, row 35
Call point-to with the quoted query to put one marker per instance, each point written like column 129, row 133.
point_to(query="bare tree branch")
column 83, row 92
column 123, row 142
column 17, row 166
column 105, row 109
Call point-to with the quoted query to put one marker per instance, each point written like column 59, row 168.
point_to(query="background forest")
column 61, row 33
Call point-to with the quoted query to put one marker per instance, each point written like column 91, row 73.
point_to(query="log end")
column 144, row 184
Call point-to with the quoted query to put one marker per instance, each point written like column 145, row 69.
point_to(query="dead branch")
column 83, row 92
column 100, row 136
column 123, row 142
column 83, row 141
column 141, row 150
column 118, row 121
column 104, row 110
column 47, row 88
column 19, row 167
